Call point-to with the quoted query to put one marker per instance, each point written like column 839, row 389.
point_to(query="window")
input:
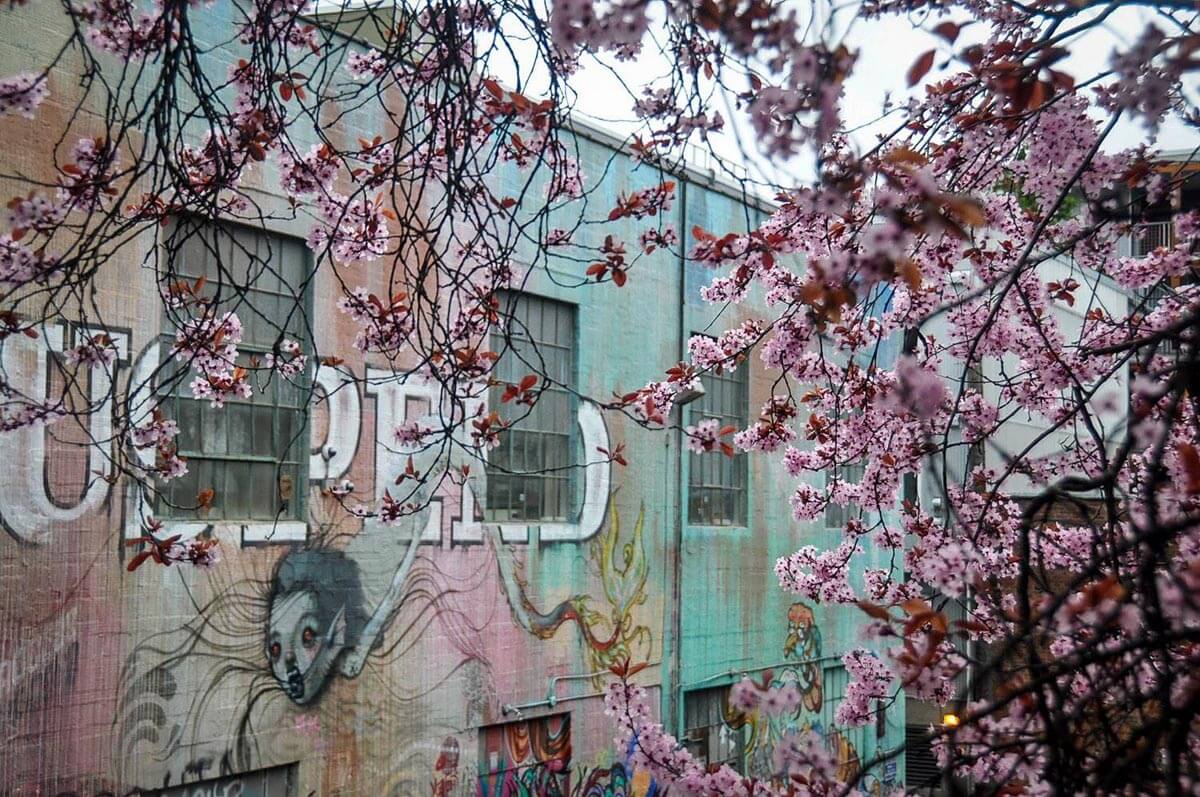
column 849, row 745
column 717, row 483
column 273, row 782
column 706, row 734
column 526, row 757
column 837, row 516
column 529, row 473
column 252, row 452
column 921, row 770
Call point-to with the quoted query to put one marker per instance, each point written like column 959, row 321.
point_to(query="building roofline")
column 1186, row 155
column 708, row 175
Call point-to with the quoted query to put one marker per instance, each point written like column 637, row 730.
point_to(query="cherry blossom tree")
column 1076, row 599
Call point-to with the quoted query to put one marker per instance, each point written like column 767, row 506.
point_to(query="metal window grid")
column 852, row 748
column 246, row 450
column 529, row 473
column 717, row 484
column 706, row 734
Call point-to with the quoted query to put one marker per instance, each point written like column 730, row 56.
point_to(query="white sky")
column 886, row 50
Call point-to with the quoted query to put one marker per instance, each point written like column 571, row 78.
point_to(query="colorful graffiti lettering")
column 529, row 758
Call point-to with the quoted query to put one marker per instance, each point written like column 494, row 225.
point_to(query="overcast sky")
column 886, row 50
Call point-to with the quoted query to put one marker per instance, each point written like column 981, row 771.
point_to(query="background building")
column 494, row 641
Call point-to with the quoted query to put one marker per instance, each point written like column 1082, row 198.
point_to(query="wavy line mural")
column 608, row 628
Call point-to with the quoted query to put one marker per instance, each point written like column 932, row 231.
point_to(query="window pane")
column 241, row 436
column 181, row 491
column 264, row 433
column 206, row 479
column 213, row 424
column 188, row 419
column 717, row 482
column 238, row 450
column 263, row 490
column 237, row 489
column 542, row 338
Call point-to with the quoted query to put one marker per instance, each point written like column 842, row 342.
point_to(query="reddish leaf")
column 948, row 31
column 920, row 67
column 1190, row 459
column 874, row 610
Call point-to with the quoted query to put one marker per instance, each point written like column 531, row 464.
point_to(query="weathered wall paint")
column 113, row 681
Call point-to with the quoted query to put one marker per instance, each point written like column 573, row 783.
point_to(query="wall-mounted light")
column 950, row 720
column 688, row 395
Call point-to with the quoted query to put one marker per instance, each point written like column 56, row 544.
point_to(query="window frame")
column 700, row 745
column 849, row 512
column 740, row 461
column 293, row 524
column 562, row 473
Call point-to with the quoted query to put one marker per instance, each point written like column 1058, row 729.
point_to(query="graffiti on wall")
column 236, row 678
column 344, row 604
column 27, row 508
column 29, row 512
column 609, row 629
column 285, row 632
column 528, row 758
column 805, row 669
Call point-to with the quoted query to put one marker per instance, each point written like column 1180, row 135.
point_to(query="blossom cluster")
column 801, row 757
column 209, row 344
column 23, row 93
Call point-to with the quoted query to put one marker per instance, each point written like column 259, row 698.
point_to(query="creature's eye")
column 308, row 637
column 274, row 650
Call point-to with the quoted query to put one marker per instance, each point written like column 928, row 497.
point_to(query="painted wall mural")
column 369, row 656
column 353, row 604
column 292, row 633
column 608, row 628
column 373, row 647
column 807, row 668
column 527, row 758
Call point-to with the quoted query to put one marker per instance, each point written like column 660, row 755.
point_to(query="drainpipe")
column 676, row 551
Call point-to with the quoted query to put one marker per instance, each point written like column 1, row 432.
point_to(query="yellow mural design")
column 610, row 631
